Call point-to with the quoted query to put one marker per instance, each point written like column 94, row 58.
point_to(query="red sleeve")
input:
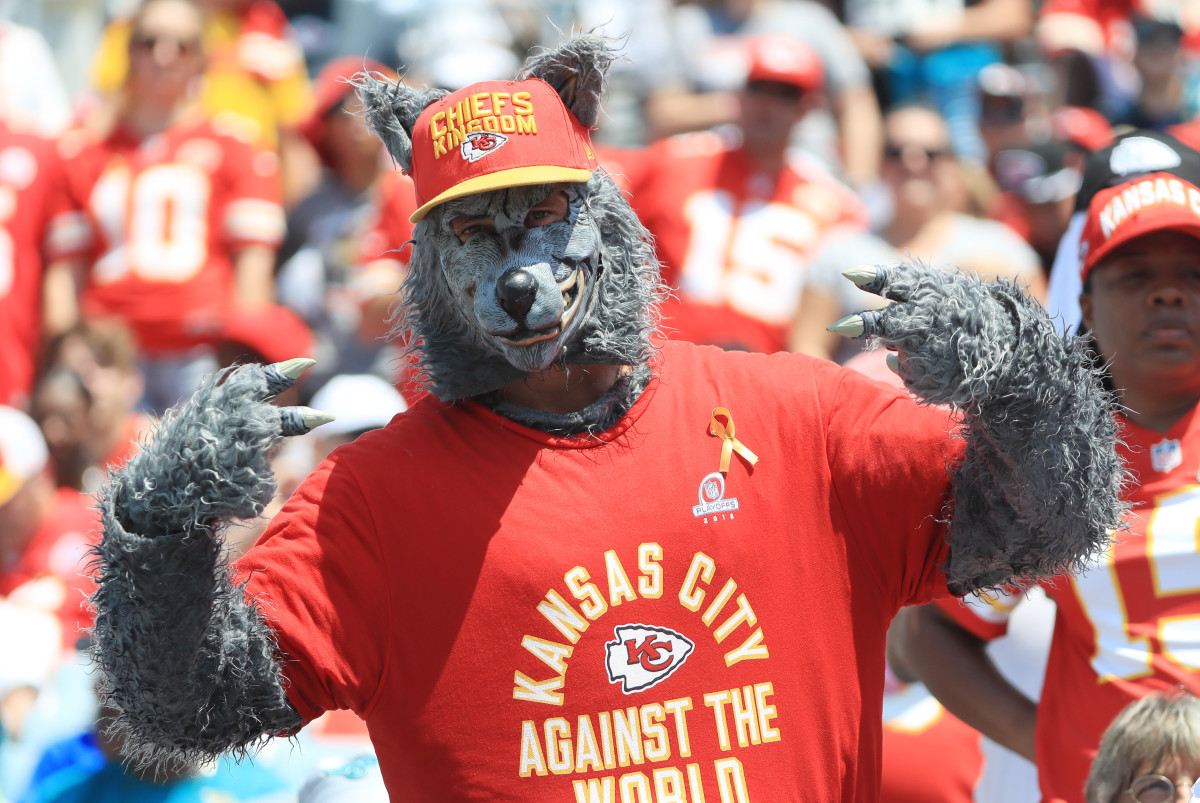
column 387, row 230
column 318, row 576
column 630, row 168
column 253, row 213
column 71, row 232
column 889, row 459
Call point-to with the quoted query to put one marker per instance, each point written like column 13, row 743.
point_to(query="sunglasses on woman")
column 1152, row 789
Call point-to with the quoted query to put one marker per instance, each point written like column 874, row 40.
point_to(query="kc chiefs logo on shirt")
column 644, row 656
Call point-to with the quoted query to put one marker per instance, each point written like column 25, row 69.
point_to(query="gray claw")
column 282, row 375
column 893, row 363
column 299, row 420
column 850, row 326
column 862, row 275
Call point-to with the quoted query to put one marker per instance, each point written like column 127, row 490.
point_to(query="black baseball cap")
column 1136, row 153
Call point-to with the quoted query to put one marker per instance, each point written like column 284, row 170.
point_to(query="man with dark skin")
column 1132, row 625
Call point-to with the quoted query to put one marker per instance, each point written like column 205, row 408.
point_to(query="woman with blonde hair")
column 1150, row 753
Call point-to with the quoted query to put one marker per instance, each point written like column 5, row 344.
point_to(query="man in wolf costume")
column 586, row 568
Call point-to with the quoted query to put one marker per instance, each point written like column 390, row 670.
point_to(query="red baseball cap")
column 496, row 134
column 1156, row 202
column 331, row 87
column 786, row 60
column 1081, row 126
column 272, row 331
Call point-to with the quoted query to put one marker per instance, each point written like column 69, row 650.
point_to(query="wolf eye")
column 467, row 227
column 551, row 210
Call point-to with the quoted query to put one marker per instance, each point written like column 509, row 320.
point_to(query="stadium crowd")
column 184, row 185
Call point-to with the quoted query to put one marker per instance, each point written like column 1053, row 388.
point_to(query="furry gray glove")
column 187, row 663
column 1038, row 490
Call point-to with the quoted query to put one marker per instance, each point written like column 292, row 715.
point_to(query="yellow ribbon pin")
column 729, row 443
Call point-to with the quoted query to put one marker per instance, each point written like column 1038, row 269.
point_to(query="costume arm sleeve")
column 184, row 657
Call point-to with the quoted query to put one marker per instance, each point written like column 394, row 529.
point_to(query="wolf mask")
column 493, row 294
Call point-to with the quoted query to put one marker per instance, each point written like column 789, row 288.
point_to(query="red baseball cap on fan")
column 496, row 134
column 784, row 60
column 1117, row 215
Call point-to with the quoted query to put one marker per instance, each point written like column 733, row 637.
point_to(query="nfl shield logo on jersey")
column 644, row 656
column 1165, row 455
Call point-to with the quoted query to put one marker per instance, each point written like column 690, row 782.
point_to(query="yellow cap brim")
column 502, row 179
column 10, row 483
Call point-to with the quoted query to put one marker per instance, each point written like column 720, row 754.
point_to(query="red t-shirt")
column 31, row 194
column 734, row 241
column 50, row 574
column 519, row 616
column 1127, row 627
column 164, row 217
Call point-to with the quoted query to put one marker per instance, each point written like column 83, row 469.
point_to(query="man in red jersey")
column 1131, row 624
column 31, row 194
column 567, row 573
column 734, row 214
column 182, row 216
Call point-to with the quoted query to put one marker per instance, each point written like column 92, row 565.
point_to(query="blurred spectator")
column 1003, row 123
column 180, row 219
column 31, row 195
column 1039, row 183
column 1165, row 96
column 934, row 50
column 735, row 215
column 1150, row 752
column 44, row 531
column 256, row 81
column 62, row 408
column 929, row 222
column 382, row 254
column 710, row 64
column 38, row 107
column 930, row 204
column 358, row 781
column 318, row 277
column 90, row 768
column 103, row 355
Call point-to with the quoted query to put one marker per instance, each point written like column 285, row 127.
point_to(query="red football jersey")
column 163, row 217
column 1130, row 625
column 31, row 194
column 520, row 616
column 734, row 240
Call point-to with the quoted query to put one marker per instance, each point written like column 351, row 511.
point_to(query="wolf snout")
column 516, row 292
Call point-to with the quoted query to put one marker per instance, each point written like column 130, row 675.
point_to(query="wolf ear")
column 390, row 110
column 576, row 69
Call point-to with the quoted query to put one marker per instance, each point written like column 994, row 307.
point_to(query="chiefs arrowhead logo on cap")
column 644, row 656
column 480, row 144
